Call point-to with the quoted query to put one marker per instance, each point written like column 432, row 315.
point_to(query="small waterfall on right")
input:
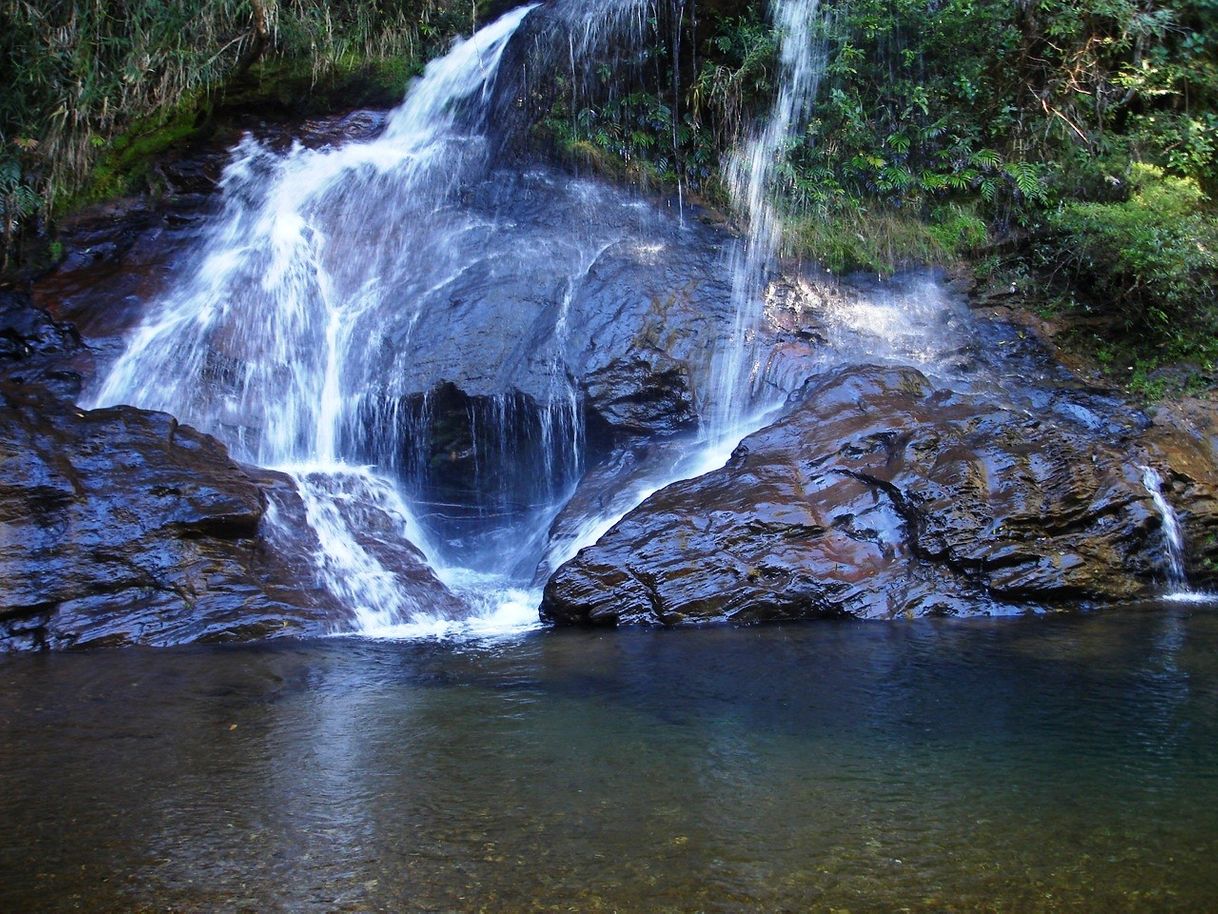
column 1173, row 540
column 751, row 172
column 1172, row 536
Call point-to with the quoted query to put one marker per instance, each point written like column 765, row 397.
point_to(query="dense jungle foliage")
column 1070, row 145
column 1066, row 145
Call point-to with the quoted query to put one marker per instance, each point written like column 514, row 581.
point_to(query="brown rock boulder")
column 879, row 497
column 121, row 526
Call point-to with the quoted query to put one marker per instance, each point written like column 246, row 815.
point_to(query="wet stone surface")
column 881, row 496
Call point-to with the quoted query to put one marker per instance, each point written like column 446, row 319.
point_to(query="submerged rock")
column 879, row 496
column 121, row 526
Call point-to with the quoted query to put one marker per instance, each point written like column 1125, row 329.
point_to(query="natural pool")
column 1050, row 764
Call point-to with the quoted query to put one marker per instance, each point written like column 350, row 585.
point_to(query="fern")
column 985, row 158
column 1027, row 179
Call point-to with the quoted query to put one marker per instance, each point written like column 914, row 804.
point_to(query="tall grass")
column 80, row 72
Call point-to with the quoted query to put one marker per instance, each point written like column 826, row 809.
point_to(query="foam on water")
column 498, row 610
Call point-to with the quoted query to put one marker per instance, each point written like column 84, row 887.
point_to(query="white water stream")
column 265, row 345
column 277, row 342
column 1178, row 589
column 751, row 174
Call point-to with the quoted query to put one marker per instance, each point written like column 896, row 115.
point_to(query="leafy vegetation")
column 113, row 81
column 1079, row 138
column 1152, row 258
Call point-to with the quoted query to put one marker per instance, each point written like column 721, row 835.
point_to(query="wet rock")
column 608, row 490
column 1188, row 465
column 117, row 258
column 35, row 348
column 1193, row 417
column 561, row 286
column 645, row 392
column 878, row 496
column 120, row 526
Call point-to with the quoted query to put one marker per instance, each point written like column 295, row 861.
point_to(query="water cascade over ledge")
column 1178, row 588
column 479, row 366
column 270, row 344
column 751, row 176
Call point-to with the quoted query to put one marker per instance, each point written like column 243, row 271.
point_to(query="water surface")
column 1053, row 764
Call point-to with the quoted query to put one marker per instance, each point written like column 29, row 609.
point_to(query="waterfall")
column 292, row 337
column 262, row 346
column 732, row 409
column 270, row 343
column 751, row 177
column 1173, row 537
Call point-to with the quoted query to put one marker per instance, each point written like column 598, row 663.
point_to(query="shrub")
column 1151, row 260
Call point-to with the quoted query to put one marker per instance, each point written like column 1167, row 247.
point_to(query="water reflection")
column 1050, row 764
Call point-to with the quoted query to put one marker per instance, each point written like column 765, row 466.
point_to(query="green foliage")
column 876, row 241
column 115, row 81
column 124, row 164
column 1151, row 259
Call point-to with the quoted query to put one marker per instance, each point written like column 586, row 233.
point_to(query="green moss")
column 295, row 87
column 126, row 166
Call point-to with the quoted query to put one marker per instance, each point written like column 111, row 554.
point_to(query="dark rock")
column 35, row 348
column 645, row 392
column 118, row 258
column 120, row 526
column 352, row 126
column 880, row 496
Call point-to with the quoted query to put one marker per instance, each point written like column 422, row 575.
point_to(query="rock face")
column 120, row 526
column 879, row 496
column 35, row 348
column 541, row 285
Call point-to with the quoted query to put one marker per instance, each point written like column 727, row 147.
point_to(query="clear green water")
column 1060, row 764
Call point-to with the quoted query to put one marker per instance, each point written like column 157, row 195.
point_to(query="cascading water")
column 265, row 346
column 1173, row 541
column 733, row 408
column 1172, row 535
column 294, row 339
column 751, row 173
column 311, row 335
